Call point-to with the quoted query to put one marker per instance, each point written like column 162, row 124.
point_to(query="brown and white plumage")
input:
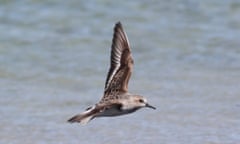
column 121, row 62
column 121, row 65
column 116, row 100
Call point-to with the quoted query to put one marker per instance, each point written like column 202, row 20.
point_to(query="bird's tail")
column 84, row 117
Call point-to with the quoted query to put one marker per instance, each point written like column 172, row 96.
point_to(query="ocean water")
column 54, row 57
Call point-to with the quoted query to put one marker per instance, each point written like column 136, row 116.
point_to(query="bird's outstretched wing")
column 121, row 63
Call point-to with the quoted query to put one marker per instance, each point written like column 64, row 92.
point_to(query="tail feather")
column 85, row 117
column 81, row 118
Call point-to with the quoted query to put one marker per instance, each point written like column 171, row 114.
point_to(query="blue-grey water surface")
column 54, row 56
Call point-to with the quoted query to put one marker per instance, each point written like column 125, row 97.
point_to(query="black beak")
column 149, row 106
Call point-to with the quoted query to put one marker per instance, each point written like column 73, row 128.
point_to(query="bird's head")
column 142, row 102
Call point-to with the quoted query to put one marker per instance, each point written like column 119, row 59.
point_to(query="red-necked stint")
column 116, row 100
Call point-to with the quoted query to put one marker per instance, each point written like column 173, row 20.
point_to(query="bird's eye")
column 141, row 101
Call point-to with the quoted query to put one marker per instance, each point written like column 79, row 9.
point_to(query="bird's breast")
column 115, row 112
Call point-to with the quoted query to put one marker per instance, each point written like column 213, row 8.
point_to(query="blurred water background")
column 54, row 57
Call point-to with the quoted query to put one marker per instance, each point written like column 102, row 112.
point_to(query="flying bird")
column 116, row 100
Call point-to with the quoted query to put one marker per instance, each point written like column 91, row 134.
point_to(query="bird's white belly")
column 114, row 112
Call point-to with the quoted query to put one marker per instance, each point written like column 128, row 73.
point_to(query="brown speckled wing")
column 121, row 64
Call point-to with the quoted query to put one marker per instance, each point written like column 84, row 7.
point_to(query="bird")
column 116, row 100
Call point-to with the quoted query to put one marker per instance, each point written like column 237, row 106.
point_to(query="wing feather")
column 121, row 63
